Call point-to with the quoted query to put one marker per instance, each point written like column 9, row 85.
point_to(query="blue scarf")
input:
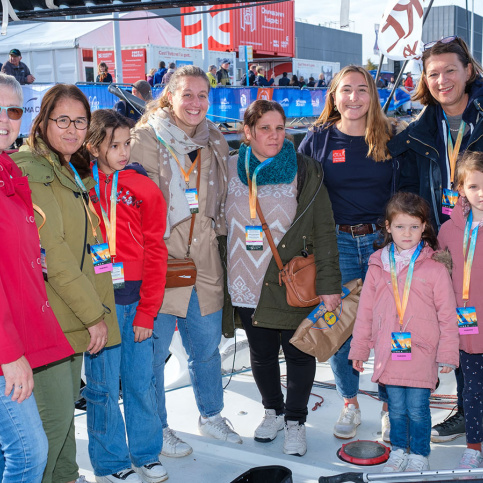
column 281, row 171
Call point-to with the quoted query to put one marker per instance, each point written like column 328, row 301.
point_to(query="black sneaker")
column 451, row 428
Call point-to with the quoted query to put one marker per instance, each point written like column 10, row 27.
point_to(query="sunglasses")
column 445, row 40
column 14, row 113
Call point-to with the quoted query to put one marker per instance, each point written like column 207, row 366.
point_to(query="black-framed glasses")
column 64, row 122
column 14, row 113
column 445, row 40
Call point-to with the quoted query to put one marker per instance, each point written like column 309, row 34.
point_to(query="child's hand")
column 140, row 333
column 445, row 370
column 358, row 366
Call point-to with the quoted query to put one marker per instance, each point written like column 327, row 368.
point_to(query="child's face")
column 113, row 155
column 472, row 189
column 406, row 230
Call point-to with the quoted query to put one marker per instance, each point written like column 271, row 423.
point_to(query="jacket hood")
column 426, row 252
column 444, row 257
column 129, row 170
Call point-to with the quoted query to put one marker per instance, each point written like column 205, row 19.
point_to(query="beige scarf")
column 206, row 135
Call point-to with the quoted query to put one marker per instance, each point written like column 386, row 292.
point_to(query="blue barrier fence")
column 226, row 103
column 230, row 103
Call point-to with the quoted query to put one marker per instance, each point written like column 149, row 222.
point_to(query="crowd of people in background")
column 117, row 197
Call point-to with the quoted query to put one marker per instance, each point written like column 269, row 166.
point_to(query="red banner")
column 133, row 63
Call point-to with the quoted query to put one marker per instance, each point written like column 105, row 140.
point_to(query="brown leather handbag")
column 298, row 275
column 182, row 271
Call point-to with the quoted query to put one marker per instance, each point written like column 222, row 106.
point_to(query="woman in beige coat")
column 176, row 143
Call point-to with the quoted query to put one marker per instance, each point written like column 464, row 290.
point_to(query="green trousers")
column 56, row 390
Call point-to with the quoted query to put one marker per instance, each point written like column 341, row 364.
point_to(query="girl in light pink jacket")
column 407, row 314
column 462, row 229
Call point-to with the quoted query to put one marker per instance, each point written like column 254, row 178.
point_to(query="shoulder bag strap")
column 268, row 234
column 193, row 215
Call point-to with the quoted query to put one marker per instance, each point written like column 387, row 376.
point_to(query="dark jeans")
column 264, row 349
column 472, row 368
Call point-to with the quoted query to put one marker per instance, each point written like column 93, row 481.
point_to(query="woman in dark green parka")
column 297, row 209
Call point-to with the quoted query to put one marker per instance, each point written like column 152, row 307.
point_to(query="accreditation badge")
column 254, row 237
column 467, row 323
column 101, row 258
column 401, row 346
column 43, row 263
column 192, row 198
column 117, row 275
column 450, row 197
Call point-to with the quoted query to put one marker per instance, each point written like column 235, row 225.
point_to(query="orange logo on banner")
column 265, row 94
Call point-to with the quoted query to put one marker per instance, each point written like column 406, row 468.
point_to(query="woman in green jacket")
column 58, row 171
column 296, row 206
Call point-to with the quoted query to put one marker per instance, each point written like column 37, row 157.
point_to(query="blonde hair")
column 172, row 87
column 470, row 161
column 378, row 126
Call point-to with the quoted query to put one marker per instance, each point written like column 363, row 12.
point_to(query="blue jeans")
column 23, row 444
column 201, row 336
column 410, row 418
column 354, row 256
column 133, row 362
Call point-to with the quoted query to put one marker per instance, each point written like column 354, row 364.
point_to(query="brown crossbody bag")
column 298, row 275
column 182, row 271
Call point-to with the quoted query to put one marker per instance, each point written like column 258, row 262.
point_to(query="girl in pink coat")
column 460, row 236
column 407, row 315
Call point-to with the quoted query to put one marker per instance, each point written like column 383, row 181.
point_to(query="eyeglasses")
column 64, row 122
column 14, row 113
column 445, row 40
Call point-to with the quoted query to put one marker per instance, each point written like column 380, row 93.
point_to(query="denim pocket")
column 96, row 410
column 95, row 367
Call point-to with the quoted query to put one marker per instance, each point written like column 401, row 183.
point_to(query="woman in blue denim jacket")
column 349, row 140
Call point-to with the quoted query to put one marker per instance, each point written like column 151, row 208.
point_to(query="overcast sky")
column 363, row 15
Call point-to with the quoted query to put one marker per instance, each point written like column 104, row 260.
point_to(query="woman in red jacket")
column 30, row 335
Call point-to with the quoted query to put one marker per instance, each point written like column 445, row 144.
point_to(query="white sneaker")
column 219, row 428
column 470, row 460
column 174, row 447
column 397, row 461
column 349, row 419
column 123, row 476
column 81, row 479
column 417, row 463
column 295, row 440
column 152, row 472
column 269, row 427
column 385, row 427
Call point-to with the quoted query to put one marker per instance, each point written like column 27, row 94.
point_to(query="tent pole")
column 117, row 47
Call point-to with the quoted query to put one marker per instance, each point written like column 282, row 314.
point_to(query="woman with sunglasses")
column 30, row 335
column 82, row 299
column 451, row 88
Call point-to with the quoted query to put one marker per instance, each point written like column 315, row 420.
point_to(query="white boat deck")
column 213, row 461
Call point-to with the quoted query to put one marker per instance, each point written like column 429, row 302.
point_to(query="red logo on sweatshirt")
column 338, row 156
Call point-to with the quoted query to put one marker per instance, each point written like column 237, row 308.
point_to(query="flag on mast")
column 344, row 13
column 400, row 37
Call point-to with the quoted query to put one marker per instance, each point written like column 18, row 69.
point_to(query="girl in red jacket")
column 460, row 236
column 133, row 214
column 407, row 314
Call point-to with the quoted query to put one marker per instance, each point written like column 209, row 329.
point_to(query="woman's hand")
column 445, row 370
column 358, row 366
column 141, row 333
column 18, row 376
column 331, row 302
column 98, row 335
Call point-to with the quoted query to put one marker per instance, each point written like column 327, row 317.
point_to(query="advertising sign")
column 133, row 65
column 107, row 56
column 269, row 29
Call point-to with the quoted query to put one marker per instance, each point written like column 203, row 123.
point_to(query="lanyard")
column 81, row 185
column 193, row 166
column 471, row 252
column 42, row 214
column 453, row 150
column 401, row 308
column 109, row 220
column 252, row 183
